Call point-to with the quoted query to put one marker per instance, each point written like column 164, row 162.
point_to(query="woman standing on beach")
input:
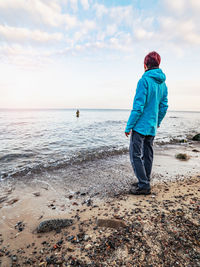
column 149, row 108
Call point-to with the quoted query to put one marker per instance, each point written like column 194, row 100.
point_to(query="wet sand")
column 93, row 190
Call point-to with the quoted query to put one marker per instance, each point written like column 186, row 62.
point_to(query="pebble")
column 37, row 194
column 88, row 246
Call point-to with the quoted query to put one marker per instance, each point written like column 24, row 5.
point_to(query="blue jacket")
column 150, row 103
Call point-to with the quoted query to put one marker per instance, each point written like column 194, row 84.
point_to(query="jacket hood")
column 155, row 74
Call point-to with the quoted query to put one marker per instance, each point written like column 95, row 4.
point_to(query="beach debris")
column 10, row 190
column 20, row 226
column 42, row 263
column 182, row 156
column 183, row 141
column 51, row 260
column 12, row 201
column 83, row 193
column 170, row 235
column 1, row 239
column 195, row 150
column 37, row 194
column 52, row 206
column 58, row 244
column 14, row 258
column 45, row 188
column 2, row 199
column 110, row 223
column 196, row 137
column 54, row 224
column 88, row 246
column 88, row 202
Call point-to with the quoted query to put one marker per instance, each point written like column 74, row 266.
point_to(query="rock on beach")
column 55, row 224
column 182, row 156
column 111, row 223
column 196, row 137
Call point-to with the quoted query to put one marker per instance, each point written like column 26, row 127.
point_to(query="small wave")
column 114, row 122
column 169, row 141
column 20, row 123
column 78, row 158
column 106, row 123
column 14, row 156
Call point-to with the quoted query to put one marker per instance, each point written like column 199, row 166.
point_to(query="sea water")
column 38, row 140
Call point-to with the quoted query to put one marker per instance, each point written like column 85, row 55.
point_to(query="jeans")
column 141, row 156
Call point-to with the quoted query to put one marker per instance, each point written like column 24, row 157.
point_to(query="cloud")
column 85, row 4
column 34, row 12
column 142, row 34
column 176, row 6
column 195, row 4
column 183, row 7
column 29, row 57
column 179, row 31
column 193, row 38
column 122, row 42
column 118, row 15
column 85, row 27
column 88, row 25
column 74, row 4
column 100, row 10
column 122, row 14
column 22, row 35
column 111, row 29
column 178, row 25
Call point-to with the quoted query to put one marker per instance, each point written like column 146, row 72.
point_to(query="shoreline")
column 94, row 190
column 84, row 157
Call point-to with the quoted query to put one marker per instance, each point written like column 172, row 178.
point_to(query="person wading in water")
column 77, row 113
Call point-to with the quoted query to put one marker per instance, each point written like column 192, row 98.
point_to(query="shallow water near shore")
column 94, row 180
column 36, row 141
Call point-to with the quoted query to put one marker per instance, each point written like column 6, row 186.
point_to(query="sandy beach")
column 161, row 229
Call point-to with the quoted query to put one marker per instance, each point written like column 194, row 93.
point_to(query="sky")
column 89, row 53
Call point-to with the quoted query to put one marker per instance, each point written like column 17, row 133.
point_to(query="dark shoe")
column 140, row 191
column 135, row 184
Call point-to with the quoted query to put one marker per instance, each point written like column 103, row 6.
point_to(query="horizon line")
column 125, row 109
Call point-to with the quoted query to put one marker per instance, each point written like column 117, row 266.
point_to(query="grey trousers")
column 141, row 156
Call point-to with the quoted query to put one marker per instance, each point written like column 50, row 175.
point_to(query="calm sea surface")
column 37, row 140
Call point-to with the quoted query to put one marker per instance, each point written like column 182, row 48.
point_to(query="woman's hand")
column 127, row 134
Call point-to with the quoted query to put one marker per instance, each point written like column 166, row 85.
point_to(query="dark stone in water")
column 196, row 137
column 182, row 156
column 55, row 224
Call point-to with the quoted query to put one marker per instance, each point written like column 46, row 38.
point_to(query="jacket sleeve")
column 163, row 106
column 138, row 104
